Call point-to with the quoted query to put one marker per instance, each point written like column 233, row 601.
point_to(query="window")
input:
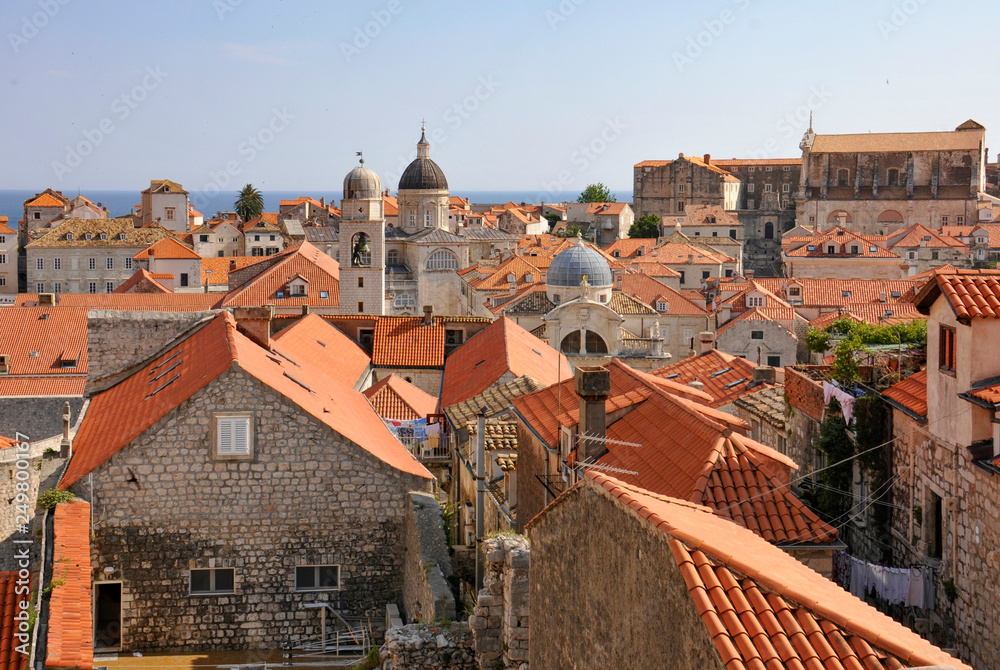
column 392, row 257
column 854, row 249
column 170, row 213
column 203, row 238
column 57, row 288
column 843, row 175
column 960, row 220
column 3, row 239
column 92, row 263
column 892, row 178
column 750, row 187
column 688, row 336
column 680, row 188
column 256, row 238
column 361, row 283
column 184, row 279
column 92, row 287
column 767, row 188
column 128, row 263
column 300, row 289
column 109, row 263
column 39, row 287
column 39, row 263
column 3, row 281
column 404, row 300
column 831, row 249
column 845, row 294
column 751, row 169
column 774, row 361
column 946, row 349
column 324, row 294
column 786, row 169
column 413, row 219
column 317, row 577
column 704, row 274
column 934, row 523
column 233, row 437
column 750, row 204
column 442, row 260
column 256, row 251
column 57, row 264
column 873, row 249
column 680, row 206
column 213, row 580
column 785, row 188
column 104, row 236
column 427, row 219
column 756, row 301
column 88, row 236
column 756, row 334
column 272, row 238
column 934, row 255
column 361, row 308
column 795, row 291
column 38, row 215
column 911, row 255
column 109, row 287
column 682, row 276
column 221, row 253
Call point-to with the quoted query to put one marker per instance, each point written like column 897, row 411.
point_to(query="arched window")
column 404, row 300
column 890, row 216
column 571, row 343
column 442, row 260
column 392, row 257
column 768, row 231
column 839, row 216
column 361, row 253
column 595, row 343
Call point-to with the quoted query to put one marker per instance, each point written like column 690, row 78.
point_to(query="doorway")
column 107, row 616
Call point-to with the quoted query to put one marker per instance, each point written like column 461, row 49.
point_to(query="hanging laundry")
column 845, row 399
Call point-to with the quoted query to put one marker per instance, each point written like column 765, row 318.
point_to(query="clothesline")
column 910, row 586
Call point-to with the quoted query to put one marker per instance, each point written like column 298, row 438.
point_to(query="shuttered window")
column 233, row 436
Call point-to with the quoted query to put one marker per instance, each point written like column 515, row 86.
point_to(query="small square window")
column 317, row 577
column 128, row 263
column 774, row 361
column 756, row 334
column 39, row 287
column 233, row 435
column 324, row 294
column 213, row 580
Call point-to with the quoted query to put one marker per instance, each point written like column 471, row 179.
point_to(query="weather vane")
column 359, row 153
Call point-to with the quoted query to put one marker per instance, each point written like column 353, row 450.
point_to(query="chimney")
column 322, row 201
column 707, row 341
column 428, row 316
column 65, row 445
column 763, row 374
column 232, row 266
column 748, row 274
column 708, row 159
column 152, row 259
column 881, row 297
column 305, row 310
column 255, row 323
column 46, row 299
column 593, row 385
column 697, row 385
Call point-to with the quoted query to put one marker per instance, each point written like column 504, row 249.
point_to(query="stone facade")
column 427, row 595
column 224, row 239
column 803, row 417
column 421, row 647
column 763, row 342
column 163, row 506
column 606, row 592
column 38, row 418
column 500, row 621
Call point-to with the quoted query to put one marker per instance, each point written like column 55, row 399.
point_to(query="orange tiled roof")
column 919, row 235
column 390, row 205
column 404, row 342
column 146, row 280
column 37, row 340
column 873, row 313
column 10, row 659
column 628, row 247
column 772, row 314
column 984, row 392
column 843, row 240
column 500, row 351
column 761, row 606
column 321, row 271
column 911, row 393
column 168, row 247
column 652, row 291
column 831, row 292
column 971, row 293
column 739, row 162
column 326, row 346
column 142, row 302
column 611, row 208
column 497, row 279
column 4, row 228
column 653, row 268
column 125, row 411
column 736, row 374
column 678, row 253
column 46, row 200
column 396, row 398
column 32, row 386
column 687, row 453
column 71, row 628
column 221, row 266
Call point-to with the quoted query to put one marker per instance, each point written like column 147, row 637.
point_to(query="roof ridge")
column 230, row 322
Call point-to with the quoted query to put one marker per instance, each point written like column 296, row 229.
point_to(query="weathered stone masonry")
column 162, row 506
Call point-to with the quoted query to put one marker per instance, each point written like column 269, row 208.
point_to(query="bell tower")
column 362, row 244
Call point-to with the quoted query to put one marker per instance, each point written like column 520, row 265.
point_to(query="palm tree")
column 250, row 203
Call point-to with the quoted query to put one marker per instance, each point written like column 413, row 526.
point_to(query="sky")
column 543, row 96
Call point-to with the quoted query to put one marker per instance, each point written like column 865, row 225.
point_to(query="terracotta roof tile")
column 321, row 271
column 326, row 346
column 496, row 399
column 10, row 659
column 629, row 247
column 985, row 392
column 767, row 404
column 404, row 342
column 827, row 293
column 122, row 413
column 679, row 253
column 503, row 348
column 971, row 293
column 112, row 229
column 4, row 228
column 501, row 434
column 71, row 630
column 46, row 200
column 762, row 606
column 42, row 340
column 221, row 266
column 919, row 235
column 951, row 140
column 144, row 280
column 167, row 247
column 654, row 293
column 726, row 377
column 842, row 240
column 142, row 302
column 396, row 398
column 33, row 386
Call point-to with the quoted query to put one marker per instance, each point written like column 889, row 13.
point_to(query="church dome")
column 362, row 184
column 423, row 174
column 570, row 266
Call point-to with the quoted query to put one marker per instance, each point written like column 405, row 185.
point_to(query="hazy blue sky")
column 517, row 95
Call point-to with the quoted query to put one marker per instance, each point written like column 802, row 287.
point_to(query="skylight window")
column 673, row 376
column 165, row 361
column 165, row 385
column 300, row 383
column 735, row 383
column 720, row 372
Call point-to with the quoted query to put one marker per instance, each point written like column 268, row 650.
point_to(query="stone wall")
column 163, row 505
column 118, row 339
column 500, row 621
column 420, row 647
column 38, row 418
column 427, row 596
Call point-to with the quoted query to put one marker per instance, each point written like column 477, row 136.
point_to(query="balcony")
column 431, row 450
column 642, row 347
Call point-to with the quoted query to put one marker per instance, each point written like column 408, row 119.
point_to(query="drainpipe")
column 480, row 494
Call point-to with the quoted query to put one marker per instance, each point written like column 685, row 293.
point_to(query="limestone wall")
column 420, row 647
column 118, row 339
column 427, row 596
column 500, row 621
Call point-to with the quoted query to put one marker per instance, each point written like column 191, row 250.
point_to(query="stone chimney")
column 708, row 159
column 152, row 259
column 322, row 201
column 46, row 299
column 763, row 374
column 65, row 445
column 255, row 323
column 706, row 340
column 428, row 316
column 748, row 274
column 593, row 385
column 305, row 310
column 697, row 385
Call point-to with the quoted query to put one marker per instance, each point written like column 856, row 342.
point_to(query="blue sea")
column 120, row 203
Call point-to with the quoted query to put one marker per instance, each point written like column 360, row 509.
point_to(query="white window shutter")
column 225, row 436
column 241, row 436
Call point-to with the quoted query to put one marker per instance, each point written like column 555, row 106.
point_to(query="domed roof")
column 362, row 184
column 569, row 267
column 423, row 173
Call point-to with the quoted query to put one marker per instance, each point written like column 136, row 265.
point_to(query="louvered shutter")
column 225, row 437
column 241, row 436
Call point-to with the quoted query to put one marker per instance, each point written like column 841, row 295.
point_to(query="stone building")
column 945, row 456
column 166, row 203
column 87, row 255
column 690, row 590
column 8, row 260
column 422, row 193
column 251, row 488
column 217, row 239
column 605, row 222
column 878, row 183
column 839, row 253
column 666, row 188
column 174, row 265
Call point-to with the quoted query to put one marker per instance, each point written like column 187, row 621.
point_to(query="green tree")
column 573, row 231
column 552, row 218
column 249, row 203
column 596, row 193
column 836, row 444
column 647, row 225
